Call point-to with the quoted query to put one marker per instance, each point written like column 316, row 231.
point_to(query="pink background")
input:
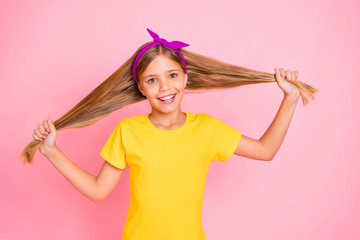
column 55, row 52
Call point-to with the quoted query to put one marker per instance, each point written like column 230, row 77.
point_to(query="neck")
column 167, row 121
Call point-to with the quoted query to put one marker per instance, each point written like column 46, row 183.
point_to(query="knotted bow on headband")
column 176, row 45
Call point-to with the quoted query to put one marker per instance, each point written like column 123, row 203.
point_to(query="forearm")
column 275, row 134
column 83, row 181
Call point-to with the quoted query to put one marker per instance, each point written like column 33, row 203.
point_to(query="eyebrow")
column 152, row 75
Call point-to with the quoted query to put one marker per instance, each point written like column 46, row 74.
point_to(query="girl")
column 168, row 151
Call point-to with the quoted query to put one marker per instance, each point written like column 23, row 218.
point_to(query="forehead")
column 161, row 63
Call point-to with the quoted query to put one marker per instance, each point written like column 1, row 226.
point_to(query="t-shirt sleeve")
column 225, row 140
column 113, row 151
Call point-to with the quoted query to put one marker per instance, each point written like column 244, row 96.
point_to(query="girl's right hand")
column 46, row 132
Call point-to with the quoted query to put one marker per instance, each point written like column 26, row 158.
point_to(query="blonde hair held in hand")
column 120, row 89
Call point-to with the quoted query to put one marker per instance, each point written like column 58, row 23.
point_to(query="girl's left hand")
column 284, row 80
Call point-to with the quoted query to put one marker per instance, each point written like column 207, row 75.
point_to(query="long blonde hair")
column 120, row 89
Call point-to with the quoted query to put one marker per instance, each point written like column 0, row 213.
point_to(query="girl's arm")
column 267, row 146
column 96, row 188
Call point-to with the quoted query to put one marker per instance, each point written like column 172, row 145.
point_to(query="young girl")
column 168, row 151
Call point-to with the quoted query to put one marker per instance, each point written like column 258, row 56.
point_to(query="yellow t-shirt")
column 167, row 170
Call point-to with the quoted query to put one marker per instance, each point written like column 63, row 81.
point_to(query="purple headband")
column 176, row 45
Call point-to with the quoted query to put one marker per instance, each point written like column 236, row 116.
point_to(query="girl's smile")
column 168, row 98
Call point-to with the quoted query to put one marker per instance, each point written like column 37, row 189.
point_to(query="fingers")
column 46, row 125
column 43, row 130
column 37, row 135
column 51, row 125
column 288, row 75
column 279, row 77
column 282, row 73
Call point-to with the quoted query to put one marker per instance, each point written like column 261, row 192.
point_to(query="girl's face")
column 163, row 84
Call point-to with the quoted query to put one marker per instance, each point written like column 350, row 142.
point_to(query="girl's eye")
column 151, row 80
column 173, row 75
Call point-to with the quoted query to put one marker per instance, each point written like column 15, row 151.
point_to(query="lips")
column 167, row 98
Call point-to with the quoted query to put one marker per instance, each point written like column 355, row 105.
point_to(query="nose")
column 164, row 85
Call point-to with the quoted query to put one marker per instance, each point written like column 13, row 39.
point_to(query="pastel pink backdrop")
column 55, row 52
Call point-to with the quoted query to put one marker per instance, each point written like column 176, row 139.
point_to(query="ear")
column 185, row 79
column 141, row 89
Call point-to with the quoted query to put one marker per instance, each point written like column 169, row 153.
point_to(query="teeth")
column 167, row 98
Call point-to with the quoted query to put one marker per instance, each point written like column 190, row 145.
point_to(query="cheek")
column 180, row 83
column 146, row 90
column 151, row 92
